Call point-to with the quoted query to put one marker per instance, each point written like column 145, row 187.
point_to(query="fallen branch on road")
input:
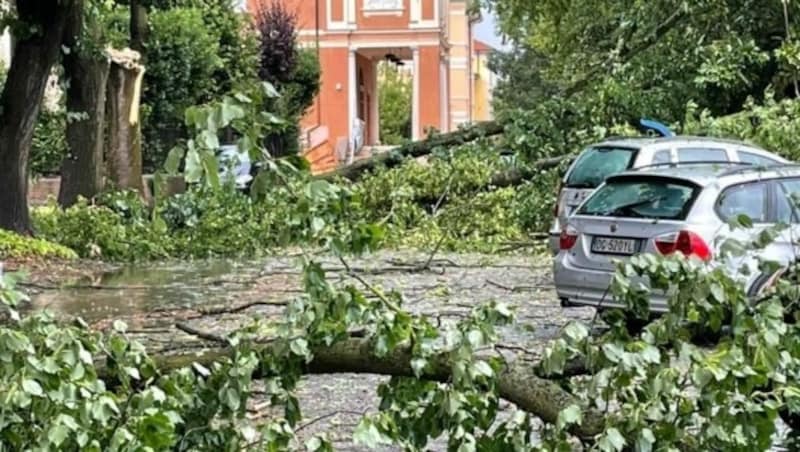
column 518, row 383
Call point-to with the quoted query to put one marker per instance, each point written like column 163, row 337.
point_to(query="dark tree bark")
column 124, row 153
column 21, row 100
column 87, row 75
column 138, row 27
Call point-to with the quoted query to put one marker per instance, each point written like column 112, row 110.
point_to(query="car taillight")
column 568, row 238
column 685, row 242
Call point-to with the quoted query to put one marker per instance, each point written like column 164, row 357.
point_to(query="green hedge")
column 15, row 246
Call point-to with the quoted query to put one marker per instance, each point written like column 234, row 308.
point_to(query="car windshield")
column 597, row 163
column 639, row 198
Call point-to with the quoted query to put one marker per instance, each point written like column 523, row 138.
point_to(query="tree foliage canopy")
column 649, row 58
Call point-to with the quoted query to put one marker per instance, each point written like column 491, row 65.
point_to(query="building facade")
column 484, row 81
column 432, row 37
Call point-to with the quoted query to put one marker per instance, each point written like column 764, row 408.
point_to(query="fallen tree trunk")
column 518, row 176
column 416, row 149
column 518, row 382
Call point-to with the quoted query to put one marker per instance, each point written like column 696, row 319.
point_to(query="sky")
column 486, row 31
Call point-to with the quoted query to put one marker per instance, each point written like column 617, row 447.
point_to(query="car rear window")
column 641, row 198
column 597, row 163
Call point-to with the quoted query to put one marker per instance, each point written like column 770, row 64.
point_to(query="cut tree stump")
column 124, row 151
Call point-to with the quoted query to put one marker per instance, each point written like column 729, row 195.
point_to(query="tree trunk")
column 416, row 149
column 138, row 27
column 21, row 100
column 82, row 167
column 124, row 153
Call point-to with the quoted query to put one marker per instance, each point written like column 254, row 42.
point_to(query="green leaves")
column 569, row 416
column 368, row 435
column 32, row 387
column 231, row 398
column 57, row 434
column 611, row 441
column 299, row 347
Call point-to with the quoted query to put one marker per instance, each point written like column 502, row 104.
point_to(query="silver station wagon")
column 686, row 209
column 606, row 158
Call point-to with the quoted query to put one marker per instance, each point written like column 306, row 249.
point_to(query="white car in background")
column 615, row 155
column 235, row 165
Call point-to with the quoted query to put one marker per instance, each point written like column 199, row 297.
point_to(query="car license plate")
column 612, row 245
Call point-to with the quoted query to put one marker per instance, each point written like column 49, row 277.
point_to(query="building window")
column 382, row 5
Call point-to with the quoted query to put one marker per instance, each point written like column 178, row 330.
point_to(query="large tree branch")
column 416, row 149
column 518, row 176
column 518, row 382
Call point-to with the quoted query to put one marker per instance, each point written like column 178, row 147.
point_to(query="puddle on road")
column 141, row 288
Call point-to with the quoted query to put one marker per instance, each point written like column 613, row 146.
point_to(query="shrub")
column 204, row 222
column 49, row 142
column 99, row 231
column 15, row 246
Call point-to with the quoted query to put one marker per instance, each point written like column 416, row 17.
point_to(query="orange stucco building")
column 351, row 36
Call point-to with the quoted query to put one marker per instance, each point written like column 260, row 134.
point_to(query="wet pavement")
column 149, row 296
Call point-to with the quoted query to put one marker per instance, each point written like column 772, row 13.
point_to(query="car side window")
column 702, row 155
column 755, row 159
column 788, row 200
column 748, row 199
column 661, row 156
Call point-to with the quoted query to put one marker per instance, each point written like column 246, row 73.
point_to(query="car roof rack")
column 696, row 162
column 774, row 167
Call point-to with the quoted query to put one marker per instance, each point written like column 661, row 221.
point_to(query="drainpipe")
column 319, row 62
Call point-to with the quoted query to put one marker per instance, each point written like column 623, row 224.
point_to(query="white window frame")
column 383, row 6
